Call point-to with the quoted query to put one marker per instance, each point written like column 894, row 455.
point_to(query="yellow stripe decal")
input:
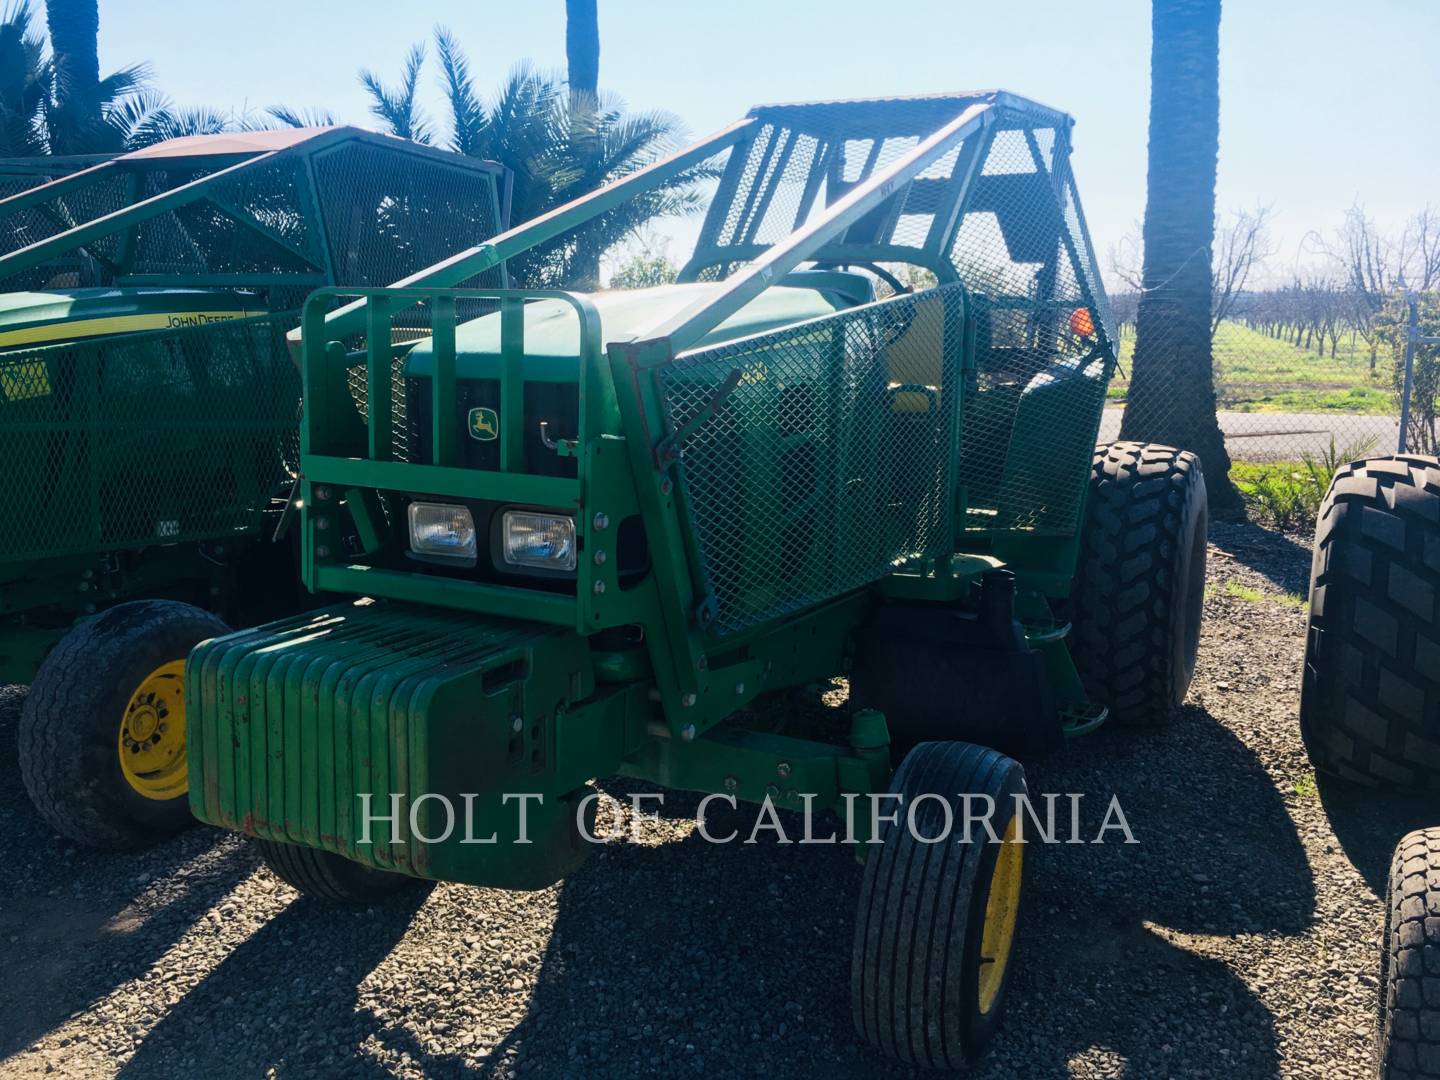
column 51, row 333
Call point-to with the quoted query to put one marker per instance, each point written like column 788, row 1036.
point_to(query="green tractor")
column 149, row 412
column 589, row 535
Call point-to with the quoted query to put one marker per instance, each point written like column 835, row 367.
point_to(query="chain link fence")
column 1305, row 380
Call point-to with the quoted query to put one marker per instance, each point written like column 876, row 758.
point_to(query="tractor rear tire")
column 1370, row 694
column 327, row 876
column 1408, row 1029
column 102, row 732
column 935, row 924
column 1140, row 581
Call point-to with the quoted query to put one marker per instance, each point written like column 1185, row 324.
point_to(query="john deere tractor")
column 149, row 414
column 583, row 535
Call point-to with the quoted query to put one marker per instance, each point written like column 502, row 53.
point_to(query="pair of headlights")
column 446, row 531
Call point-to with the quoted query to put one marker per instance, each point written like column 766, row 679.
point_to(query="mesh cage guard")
column 816, row 459
column 150, row 438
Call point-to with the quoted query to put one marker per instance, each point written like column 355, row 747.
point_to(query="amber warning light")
column 1081, row 324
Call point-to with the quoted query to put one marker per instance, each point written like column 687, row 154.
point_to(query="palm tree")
column 74, row 40
column 40, row 113
column 23, row 84
column 1172, row 388
column 556, row 151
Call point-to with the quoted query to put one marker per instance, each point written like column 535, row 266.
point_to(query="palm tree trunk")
column 582, row 57
column 582, row 47
column 1171, row 398
column 74, row 40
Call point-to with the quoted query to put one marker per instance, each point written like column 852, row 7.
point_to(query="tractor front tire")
column 1140, row 581
column 935, row 925
column 102, row 732
column 1370, row 694
column 1408, row 1032
column 327, row 876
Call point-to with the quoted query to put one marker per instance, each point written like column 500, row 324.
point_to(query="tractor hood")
column 552, row 332
column 34, row 319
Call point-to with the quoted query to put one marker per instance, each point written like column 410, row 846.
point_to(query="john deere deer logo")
column 484, row 424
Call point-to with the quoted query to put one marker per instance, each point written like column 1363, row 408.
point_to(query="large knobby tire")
column 327, row 876
column 1408, row 1034
column 1370, row 696
column 1140, row 582
column 102, row 732
column 936, row 921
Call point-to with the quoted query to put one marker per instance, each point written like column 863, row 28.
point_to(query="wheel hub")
column 152, row 734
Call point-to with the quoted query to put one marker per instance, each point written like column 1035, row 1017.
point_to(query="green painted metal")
column 750, row 460
column 148, row 403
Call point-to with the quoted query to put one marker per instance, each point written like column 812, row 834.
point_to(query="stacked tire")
column 1370, row 696
column 1409, row 1024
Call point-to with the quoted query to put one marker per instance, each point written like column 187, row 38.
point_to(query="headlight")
column 441, row 530
column 541, row 540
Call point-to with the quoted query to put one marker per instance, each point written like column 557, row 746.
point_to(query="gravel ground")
column 1236, row 939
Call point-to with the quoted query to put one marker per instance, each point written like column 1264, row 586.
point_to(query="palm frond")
column 138, row 118
column 289, row 116
column 130, row 80
column 399, row 108
column 467, row 115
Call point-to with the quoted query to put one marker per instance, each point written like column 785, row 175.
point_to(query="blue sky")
column 1323, row 102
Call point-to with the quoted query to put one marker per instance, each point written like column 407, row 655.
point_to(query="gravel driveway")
column 1236, row 939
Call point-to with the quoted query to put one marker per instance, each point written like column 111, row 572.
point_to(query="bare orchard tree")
column 1423, row 242
column 1371, row 265
column 1241, row 246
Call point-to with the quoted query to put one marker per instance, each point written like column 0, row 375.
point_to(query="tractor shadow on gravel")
column 1368, row 823
column 285, row 998
column 710, row 959
column 88, row 922
column 1284, row 560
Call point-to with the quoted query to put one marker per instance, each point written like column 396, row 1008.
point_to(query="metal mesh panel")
column 145, row 439
column 826, row 466
column 803, row 158
column 1031, row 417
column 251, row 222
column 390, row 213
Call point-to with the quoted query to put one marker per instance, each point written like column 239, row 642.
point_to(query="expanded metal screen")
column 998, row 212
column 150, row 438
column 337, row 207
column 1031, row 418
column 828, row 464
column 826, row 467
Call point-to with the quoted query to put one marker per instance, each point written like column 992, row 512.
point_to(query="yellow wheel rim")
column 1002, row 906
column 152, row 734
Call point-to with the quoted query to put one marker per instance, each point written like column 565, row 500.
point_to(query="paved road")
column 1279, row 436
